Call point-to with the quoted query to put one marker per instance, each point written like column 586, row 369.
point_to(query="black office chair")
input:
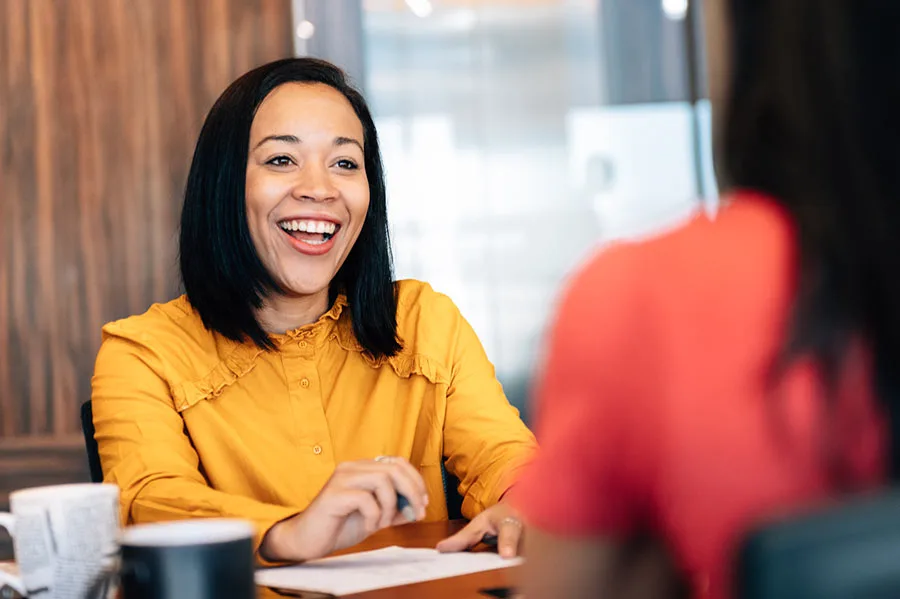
column 451, row 483
column 93, row 452
column 451, row 492
column 851, row 551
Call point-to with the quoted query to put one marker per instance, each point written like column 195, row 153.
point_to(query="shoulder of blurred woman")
column 745, row 248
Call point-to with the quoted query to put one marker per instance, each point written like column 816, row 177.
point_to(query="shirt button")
column 303, row 344
column 304, row 383
column 317, row 449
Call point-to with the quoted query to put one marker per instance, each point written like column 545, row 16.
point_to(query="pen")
column 405, row 508
column 403, row 504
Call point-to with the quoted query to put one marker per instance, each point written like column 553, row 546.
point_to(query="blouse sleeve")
column 486, row 444
column 594, row 418
column 145, row 450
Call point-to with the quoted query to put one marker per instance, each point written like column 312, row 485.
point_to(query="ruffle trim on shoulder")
column 408, row 365
column 219, row 378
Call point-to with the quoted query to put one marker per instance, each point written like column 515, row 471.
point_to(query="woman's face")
column 307, row 192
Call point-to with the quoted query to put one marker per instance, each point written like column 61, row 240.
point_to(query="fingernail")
column 506, row 552
column 409, row 513
column 425, row 498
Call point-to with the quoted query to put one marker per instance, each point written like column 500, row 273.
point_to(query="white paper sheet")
column 382, row 568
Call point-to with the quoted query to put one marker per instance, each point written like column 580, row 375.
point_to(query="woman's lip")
column 322, row 217
column 307, row 248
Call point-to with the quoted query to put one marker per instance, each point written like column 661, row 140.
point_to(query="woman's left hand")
column 501, row 520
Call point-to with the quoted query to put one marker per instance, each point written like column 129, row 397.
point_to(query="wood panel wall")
column 100, row 105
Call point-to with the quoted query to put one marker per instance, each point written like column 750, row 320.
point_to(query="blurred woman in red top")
column 733, row 369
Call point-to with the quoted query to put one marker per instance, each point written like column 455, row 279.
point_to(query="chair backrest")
column 451, row 492
column 851, row 551
column 90, row 444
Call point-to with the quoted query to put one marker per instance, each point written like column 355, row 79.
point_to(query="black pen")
column 406, row 508
column 403, row 504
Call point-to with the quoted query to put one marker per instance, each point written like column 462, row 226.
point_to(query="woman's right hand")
column 359, row 499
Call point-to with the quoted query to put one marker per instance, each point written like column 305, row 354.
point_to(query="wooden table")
column 425, row 535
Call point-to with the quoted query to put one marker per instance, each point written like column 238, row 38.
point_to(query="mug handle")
column 8, row 521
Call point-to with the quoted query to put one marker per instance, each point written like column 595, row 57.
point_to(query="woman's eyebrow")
column 291, row 139
column 343, row 141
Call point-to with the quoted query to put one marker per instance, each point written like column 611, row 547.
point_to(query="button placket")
column 315, row 457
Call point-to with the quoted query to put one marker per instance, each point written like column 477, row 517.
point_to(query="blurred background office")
column 517, row 136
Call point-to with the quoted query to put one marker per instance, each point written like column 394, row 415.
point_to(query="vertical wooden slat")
column 19, row 185
column 41, row 222
column 217, row 62
column 7, row 424
column 89, row 173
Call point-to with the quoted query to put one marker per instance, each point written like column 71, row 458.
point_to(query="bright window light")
column 420, row 8
column 675, row 9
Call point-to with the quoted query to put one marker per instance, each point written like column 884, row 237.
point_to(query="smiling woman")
column 301, row 144
column 294, row 360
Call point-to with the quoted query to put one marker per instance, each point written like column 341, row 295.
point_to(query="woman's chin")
column 299, row 289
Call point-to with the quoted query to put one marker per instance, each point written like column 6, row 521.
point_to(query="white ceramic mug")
column 64, row 537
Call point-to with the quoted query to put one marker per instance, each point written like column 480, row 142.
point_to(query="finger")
column 364, row 503
column 386, row 495
column 509, row 537
column 415, row 476
column 406, row 480
column 409, row 482
column 467, row 537
column 384, row 482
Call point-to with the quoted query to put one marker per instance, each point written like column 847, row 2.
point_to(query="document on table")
column 379, row 569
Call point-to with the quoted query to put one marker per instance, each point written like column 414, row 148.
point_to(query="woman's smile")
column 310, row 236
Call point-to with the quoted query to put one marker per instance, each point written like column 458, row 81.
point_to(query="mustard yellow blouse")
column 191, row 424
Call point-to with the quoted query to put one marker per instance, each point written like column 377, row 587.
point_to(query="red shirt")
column 655, row 411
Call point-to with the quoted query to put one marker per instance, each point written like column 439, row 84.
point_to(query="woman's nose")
column 314, row 184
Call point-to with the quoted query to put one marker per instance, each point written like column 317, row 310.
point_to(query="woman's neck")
column 281, row 313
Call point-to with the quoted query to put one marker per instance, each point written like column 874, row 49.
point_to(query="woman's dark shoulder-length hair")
column 813, row 120
column 222, row 274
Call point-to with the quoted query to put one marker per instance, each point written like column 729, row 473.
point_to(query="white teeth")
column 311, row 242
column 309, row 226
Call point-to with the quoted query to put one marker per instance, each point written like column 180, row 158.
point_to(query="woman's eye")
column 347, row 164
column 280, row 161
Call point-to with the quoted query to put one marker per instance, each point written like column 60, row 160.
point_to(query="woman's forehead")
column 303, row 109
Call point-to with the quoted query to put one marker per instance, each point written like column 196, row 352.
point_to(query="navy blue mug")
column 188, row 559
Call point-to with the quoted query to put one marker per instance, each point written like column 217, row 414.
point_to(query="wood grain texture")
column 101, row 102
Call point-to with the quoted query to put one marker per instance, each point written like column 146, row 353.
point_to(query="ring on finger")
column 386, row 459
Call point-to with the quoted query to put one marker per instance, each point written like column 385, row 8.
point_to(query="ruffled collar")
column 320, row 329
